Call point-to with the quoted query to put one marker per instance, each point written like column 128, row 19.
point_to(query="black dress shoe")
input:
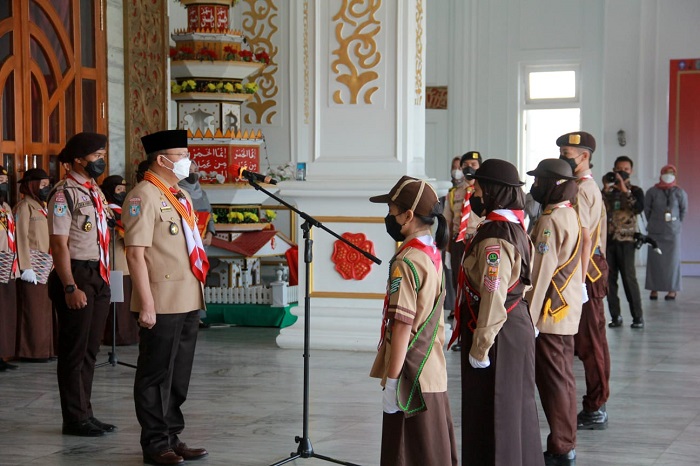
column 4, row 365
column 616, row 322
column 456, row 347
column 669, row 297
column 637, row 324
column 164, row 457
column 564, row 459
column 592, row 420
column 104, row 426
column 82, row 429
column 189, row 454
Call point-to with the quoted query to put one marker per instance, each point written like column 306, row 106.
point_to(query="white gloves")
column 389, row 402
column 29, row 276
column 476, row 364
column 448, row 260
column 585, row 294
column 537, row 332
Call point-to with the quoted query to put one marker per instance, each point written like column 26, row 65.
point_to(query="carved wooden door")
column 52, row 79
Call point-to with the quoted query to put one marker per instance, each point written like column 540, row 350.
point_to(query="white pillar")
column 359, row 124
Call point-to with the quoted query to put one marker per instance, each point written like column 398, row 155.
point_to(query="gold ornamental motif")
column 419, row 52
column 357, row 51
column 260, row 28
column 145, row 64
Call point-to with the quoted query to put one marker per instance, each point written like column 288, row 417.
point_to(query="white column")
column 359, row 124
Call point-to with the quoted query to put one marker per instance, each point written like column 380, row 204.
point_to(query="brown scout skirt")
column 499, row 412
column 426, row 439
column 8, row 319
column 35, row 321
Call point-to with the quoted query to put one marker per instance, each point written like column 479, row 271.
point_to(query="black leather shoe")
column 189, row 454
column 102, row 425
column 564, row 459
column 637, row 324
column 616, row 322
column 82, row 429
column 4, row 365
column 164, row 457
column 592, row 420
column 456, row 347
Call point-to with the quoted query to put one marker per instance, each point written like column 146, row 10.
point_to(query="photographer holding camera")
column 623, row 202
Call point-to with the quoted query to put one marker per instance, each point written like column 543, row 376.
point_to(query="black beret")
column 34, row 174
column 577, row 139
column 163, row 140
column 82, row 145
column 497, row 171
column 112, row 182
column 472, row 155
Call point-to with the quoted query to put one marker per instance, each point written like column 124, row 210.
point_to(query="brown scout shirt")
column 147, row 216
column 32, row 230
column 492, row 310
column 555, row 236
column 591, row 210
column 413, row 309
column 83, row 245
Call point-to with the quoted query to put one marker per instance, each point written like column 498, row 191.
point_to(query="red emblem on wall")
column 350, row 264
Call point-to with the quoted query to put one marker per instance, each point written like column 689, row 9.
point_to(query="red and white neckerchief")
column 195, row 249
column 507, row 215
column 12, row 245
column 102, row 229
column 117, row 209
column 424, row 243
column 466, row 210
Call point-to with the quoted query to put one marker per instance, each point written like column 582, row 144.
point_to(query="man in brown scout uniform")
column 79, row 283
column 590, row 343
column 555, row 303
column 168, row 265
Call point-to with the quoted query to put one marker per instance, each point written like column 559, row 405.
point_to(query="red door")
column 684, row 151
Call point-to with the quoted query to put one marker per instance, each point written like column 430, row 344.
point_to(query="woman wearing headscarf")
column 9, row 271
column 499, row 414
column 417, row 424
column 126, row 331
column 665, row 207
column 35, row 320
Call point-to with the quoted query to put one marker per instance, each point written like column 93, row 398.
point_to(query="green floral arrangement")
column 223, row 87
column 233, row 216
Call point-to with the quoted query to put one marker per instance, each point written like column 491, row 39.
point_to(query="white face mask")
column 668, row 178
column 457, row 174
column 181, row 168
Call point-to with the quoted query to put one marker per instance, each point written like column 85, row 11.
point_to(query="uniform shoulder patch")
column 547, row 233
column 135, row 206
column 395, row 282
column 493, row 259
column 542, row 247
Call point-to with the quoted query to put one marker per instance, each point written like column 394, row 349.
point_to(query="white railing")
column 279, row 295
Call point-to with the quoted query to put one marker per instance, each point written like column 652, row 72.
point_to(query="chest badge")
column 174, row 229
column 87, row 226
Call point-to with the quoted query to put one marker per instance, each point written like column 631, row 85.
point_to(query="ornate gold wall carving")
column 260, row 28
column 145, row 63
column 419, row 52
column 357, row 50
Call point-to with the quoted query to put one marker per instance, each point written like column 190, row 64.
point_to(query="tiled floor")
column 245, row 400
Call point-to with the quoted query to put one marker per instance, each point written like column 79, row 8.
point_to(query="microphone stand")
column 113, row 360
column 305, row 449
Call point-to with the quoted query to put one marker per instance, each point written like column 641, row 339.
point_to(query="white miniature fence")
column 279, row 295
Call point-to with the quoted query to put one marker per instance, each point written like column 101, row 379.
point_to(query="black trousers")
column 620, row 256
column 166, row 353
column 79, row 336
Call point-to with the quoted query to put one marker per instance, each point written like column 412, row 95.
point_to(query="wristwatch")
column 69, row 288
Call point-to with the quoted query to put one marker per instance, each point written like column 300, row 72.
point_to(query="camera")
column 611, row 178
column 640, row 240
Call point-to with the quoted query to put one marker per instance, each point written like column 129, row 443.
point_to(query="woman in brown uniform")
column 9, row 271
column 35, row 329
column 417, row 427
column 499, row 414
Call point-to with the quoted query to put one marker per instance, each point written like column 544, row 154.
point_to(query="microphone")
column 242, row 172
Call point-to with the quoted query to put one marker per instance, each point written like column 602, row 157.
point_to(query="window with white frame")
column 550, row 107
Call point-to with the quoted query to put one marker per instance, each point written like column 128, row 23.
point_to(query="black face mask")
column 4, row 188
column 43, row 193
column 468, row 171
column 393, row 228
column 538, row 194
column 477, row 205
column 96, row 168
column 192, row 178
column 119, row 198
column 572, row 163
